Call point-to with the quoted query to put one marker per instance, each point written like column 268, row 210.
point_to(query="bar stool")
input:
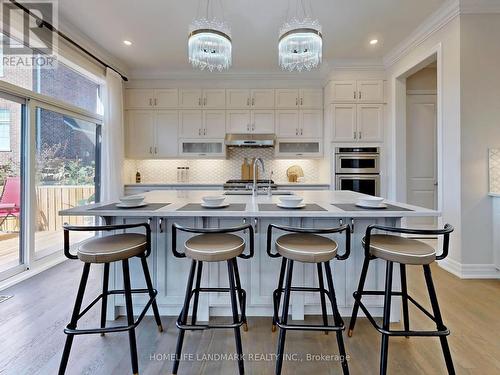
column 112, row 248
column 213, row 245
column 405, row 251
column 307, row 246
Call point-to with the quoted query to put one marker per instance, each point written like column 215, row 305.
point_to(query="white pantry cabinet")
column 254, row 121
column 367, row 91
column 251, row 99
column 299, row 98
column 151, row 98
column 151, row 134
column 299, row 123
column 201, row 124
column 357, row 122
column 198, row 98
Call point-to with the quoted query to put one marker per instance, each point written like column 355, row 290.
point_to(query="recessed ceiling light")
column 127, row 42
column 373, row 42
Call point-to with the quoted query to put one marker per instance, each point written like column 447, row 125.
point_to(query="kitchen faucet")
column 255, row 162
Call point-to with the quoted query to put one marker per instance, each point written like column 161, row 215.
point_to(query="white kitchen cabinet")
column 357, row 122
column 166, row 131
column 190, row 123
column 299, row 123
column 214, row 98
column 371, row 91
column 238, row 121
column 214, row 124
column 140, row 134
column 367, row 91
column 262, row 98
column 190, row 98
column 287, row 123
column 370, row 122
column 196, row 148
column 262, row 122
column 294, row 148
column 166, row 99
column 311, row 98
column 151, row 134
column 344, row 127
column 237, row 98
column 287, row 98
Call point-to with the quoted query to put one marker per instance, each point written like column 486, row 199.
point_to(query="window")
column 4, row 130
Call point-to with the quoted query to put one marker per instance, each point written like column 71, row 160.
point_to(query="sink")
column 260, row 192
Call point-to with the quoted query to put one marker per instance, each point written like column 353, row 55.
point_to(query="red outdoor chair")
column 10, row 202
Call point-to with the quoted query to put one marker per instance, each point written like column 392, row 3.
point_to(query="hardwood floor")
column 31, row 336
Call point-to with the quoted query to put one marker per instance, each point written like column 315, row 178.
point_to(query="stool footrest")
column 74, row 331
column 301, row 327
column 443, row 331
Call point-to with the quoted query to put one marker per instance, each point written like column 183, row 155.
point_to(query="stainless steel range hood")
column 250, row 140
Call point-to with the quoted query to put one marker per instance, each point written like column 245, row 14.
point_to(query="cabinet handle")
column 199, row 131
column 204, row 131
column 256, row 224
column 156, row 101
column 151, row 150
column 244, row 222
column 296, row 101
column 301, row 101
column 248, row 102
column 253, row 126
column 296, row 131
column 205, row 101
column 253, row 101
column 360, row 95
column 301, row 131
column 355, row 135
column 354, row 94
column 199, row 102
column 160, row 224
column 150, row 101
column 359, row 135
column 156, row 150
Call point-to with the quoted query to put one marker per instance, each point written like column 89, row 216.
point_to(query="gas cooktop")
column 247, row 184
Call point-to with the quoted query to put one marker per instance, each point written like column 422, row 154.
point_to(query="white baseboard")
column 470, row 271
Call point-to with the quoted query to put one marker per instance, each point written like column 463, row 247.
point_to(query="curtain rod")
column 51, row 27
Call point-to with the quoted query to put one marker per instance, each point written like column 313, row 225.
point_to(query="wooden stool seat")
column 307, row 248
column 401, row 249
column 112, row 248
column 214, row 247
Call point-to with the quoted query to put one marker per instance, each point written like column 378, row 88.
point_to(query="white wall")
column 446, row 40
column 425, row 79
column 480, row 130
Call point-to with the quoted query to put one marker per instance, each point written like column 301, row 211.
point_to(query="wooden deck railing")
column 52, row 199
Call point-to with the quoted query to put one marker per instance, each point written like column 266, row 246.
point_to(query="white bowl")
column 214, row 200
column 291, row 200
column 132, row 200
column 371, row 201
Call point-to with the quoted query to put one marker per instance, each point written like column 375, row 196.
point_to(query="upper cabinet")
column 250, row 99
column 367, row 91
column 197, row 98
column 151, row 99
column 295, row 98
column 246, row 121
column 306, row 123
column 357, row 122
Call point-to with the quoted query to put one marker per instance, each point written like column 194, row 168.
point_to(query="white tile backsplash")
column 218, row 171
column 495, row 170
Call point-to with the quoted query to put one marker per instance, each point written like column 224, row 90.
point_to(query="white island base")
column 259, row 275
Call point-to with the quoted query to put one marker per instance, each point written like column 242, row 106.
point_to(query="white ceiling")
column 158, row 29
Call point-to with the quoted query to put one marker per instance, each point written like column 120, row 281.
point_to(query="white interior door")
column 421, row 155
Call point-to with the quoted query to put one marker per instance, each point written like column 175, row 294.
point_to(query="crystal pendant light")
column 209, row 44
column 300, row 40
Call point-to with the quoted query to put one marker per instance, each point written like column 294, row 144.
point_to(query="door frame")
column 398, row 123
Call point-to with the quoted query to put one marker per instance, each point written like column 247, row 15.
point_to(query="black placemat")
column 148, row 207
column 274, row 207
column 199, row 207
column 353, row 207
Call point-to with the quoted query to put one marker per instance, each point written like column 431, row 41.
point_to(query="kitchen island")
column 259, row 274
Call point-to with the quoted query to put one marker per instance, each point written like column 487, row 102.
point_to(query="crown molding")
column 437, row 20
column 479, row 6
column 357, row 65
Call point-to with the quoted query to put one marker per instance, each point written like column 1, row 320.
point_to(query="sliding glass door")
column 12, row 181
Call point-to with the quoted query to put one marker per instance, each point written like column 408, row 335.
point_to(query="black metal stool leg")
column 234, row 305
column 241, row 295
column 184, row 316
column 337, row 318
column 130, row 316
column 404, row 296
column 284, row 318
column 199, row 273
column 149, row 284
column 384, row 352
column 105, row 283
column 322, row 296
column 277, row 297
column 439, row 318
column 357, row 294
column 74, row 318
